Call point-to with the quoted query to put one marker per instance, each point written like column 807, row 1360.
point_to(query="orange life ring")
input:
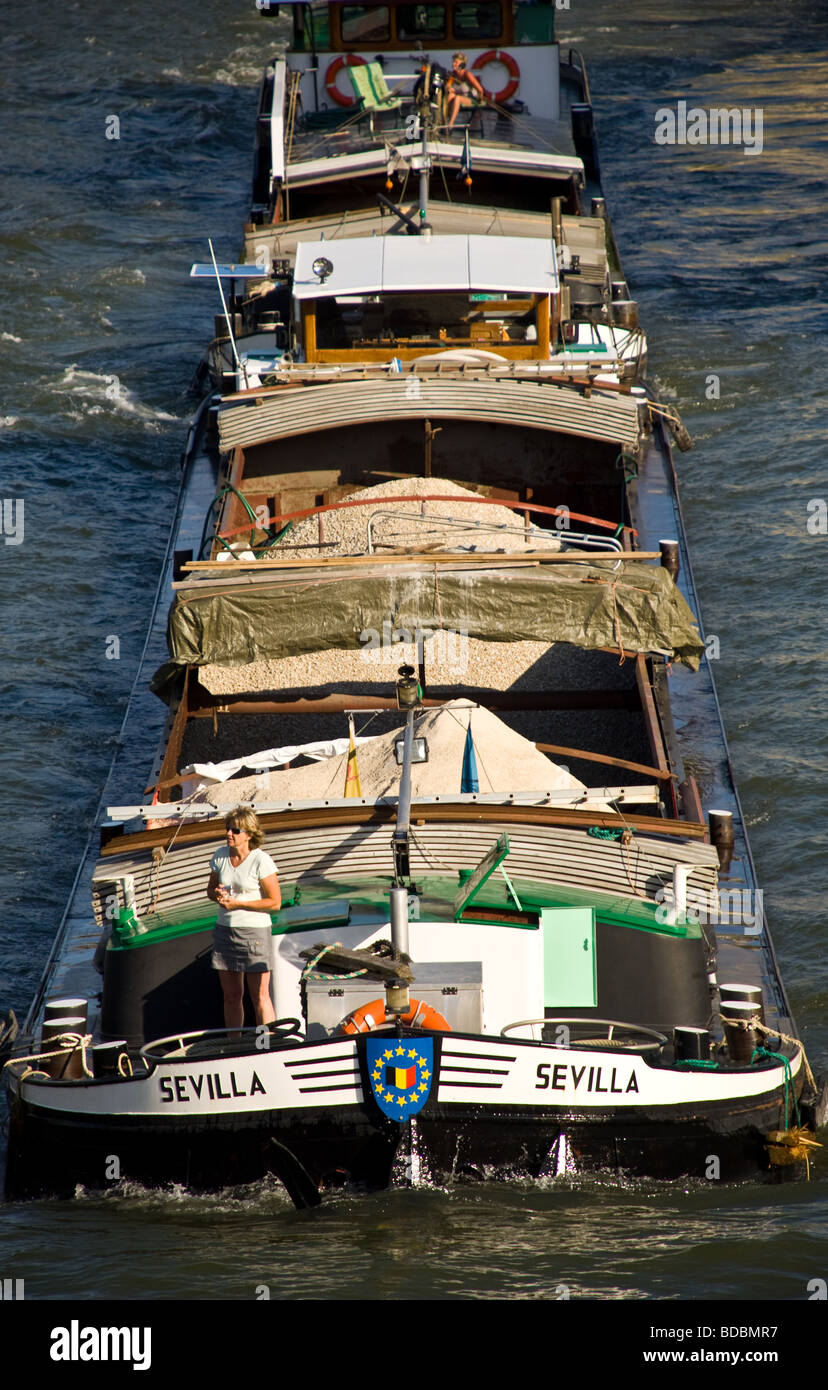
column 351, row 60
column 499, row 56
column 372, row 1016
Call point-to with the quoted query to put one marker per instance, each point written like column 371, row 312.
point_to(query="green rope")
column 780, row 1057
column 629, row 464
column 222, row 492
column 310, row 968
column 274, row 540
column 600, row 832
column 697, row 1064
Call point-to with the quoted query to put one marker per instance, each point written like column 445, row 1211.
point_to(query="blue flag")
column 468, row 781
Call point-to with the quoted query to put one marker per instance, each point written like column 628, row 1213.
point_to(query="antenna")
column 240, row 365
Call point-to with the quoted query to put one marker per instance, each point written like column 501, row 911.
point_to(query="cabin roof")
column 371, row 265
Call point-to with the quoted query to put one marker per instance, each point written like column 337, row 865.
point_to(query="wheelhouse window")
column 311, row 27
column 425, row 320
column 483, row 21
column 421, row 22
column 361, row 24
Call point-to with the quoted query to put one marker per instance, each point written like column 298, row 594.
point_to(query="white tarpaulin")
column 207, row 773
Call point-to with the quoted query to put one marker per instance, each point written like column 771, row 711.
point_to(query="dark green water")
column 726, row 254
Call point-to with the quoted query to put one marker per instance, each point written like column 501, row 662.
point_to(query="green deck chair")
column 372, row 91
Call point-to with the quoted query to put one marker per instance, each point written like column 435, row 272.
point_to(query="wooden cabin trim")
column 544, row 328
column 274, row 822
column 510, row 351
column 309, row 331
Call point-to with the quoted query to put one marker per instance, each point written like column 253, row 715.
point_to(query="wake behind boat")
column 439, row 630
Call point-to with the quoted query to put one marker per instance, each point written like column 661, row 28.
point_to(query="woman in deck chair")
column 463, row 88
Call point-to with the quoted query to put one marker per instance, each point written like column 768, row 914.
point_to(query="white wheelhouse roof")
column 383, row 264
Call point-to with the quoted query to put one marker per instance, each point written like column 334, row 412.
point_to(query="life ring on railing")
column 372, row 1015
column 499, row 56
column 351, row 60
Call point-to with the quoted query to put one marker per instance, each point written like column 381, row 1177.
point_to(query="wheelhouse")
column 365, row 297
column 336, row 27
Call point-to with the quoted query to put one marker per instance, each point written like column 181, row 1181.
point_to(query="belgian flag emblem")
column 403, row 1079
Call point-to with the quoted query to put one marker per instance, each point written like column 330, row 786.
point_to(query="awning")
column 388, row 264
column 497, row 159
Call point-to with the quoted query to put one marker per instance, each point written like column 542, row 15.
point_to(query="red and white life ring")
column 499, row 56
column 351, row 60
column 371, row 1016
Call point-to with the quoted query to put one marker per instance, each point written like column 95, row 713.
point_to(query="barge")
column 433, row 619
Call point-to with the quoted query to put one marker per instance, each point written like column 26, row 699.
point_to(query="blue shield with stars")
column 401, row 1070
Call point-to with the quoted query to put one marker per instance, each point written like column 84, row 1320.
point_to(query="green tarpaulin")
column 636, row 607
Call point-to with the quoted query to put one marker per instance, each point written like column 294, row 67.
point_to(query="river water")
column 99, row 334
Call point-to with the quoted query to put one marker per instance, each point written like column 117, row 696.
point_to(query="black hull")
column 340, row 1146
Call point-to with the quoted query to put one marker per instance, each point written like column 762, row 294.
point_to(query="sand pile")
column 484, row 528
column 506, row 762
column 450, row 659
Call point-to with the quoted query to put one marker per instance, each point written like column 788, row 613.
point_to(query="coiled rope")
column 65, row 1042
column 310, row 968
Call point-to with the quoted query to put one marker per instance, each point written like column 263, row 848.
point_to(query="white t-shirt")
column 244, row 885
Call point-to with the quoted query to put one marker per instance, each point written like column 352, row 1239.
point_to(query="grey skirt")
column 242, row 949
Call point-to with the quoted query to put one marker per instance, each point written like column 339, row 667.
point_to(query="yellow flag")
column 352, row 784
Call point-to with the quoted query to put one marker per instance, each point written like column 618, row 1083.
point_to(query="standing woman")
column 244, row 883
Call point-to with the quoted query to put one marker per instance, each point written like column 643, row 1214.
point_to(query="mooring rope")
column 71, row 1042
column 310, row 968
column 780, row 1057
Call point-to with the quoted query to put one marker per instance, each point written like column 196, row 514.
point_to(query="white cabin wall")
column 512, row 964
column 539, row 83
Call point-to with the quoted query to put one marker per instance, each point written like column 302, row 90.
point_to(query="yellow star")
column 424, row 1086
column 401, row 1100
column 377, row 1074
column 400, row 1051
column 412, row 1052
column 426, row 1074
column 389, row 1055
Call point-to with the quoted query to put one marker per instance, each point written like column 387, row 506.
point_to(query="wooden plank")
column 480, row 499
column 650, row 716
column 440, row 695
column 172, row 754
column 557, row 748
column 444, row 557
column 336, row 960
